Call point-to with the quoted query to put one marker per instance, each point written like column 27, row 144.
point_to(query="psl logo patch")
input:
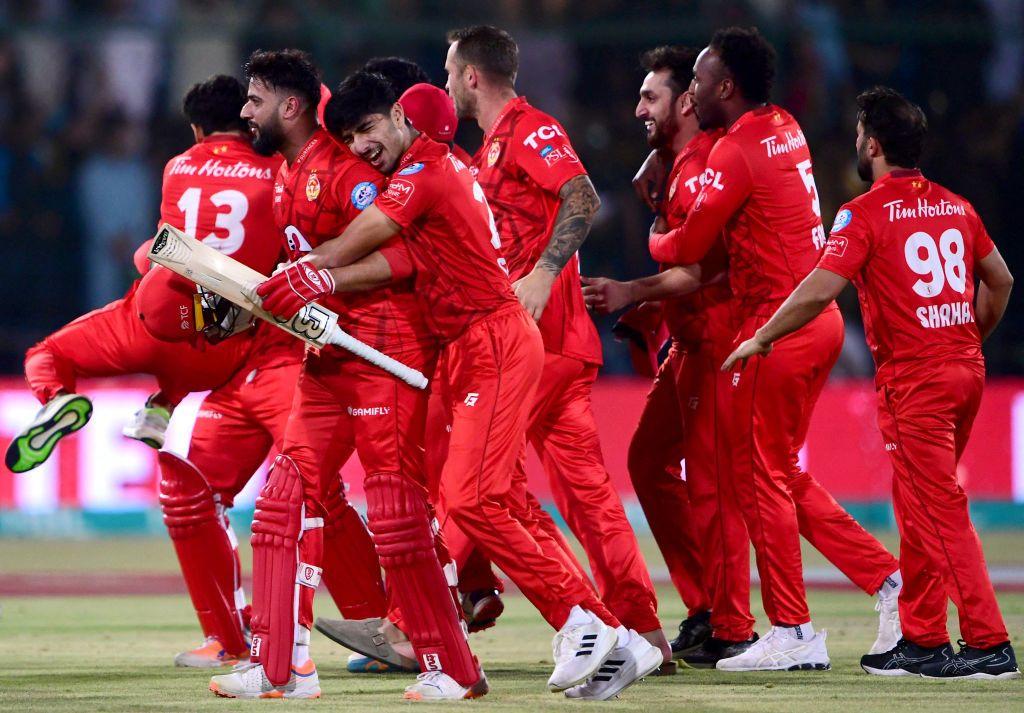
column 312, row 186
column 493, row 153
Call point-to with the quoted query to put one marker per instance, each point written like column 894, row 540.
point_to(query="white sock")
column 300, row 651
column 802, row 632
column 891, row 586
column 578, row 616
column 623, row 636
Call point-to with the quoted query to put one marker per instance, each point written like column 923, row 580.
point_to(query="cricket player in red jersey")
column 494, row 353
column 683, row 409
column 219, row 190
column 543, row 203
column 319, row 191
column 759, row 188
column 913, row 249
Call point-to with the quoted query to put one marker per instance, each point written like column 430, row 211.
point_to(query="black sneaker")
column 693, row 631
column 997, row 662
column 905, row 659
column 712, row 650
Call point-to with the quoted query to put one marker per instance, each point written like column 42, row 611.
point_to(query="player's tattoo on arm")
column 572, row 224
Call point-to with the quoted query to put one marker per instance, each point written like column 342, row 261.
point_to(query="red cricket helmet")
column 431, row 111
column 168, row 304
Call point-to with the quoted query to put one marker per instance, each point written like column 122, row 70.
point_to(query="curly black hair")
column 898, row 124
column 292, row 70
column 677, row 60
column 358, row 96
column 215, row 105
column 749, row 58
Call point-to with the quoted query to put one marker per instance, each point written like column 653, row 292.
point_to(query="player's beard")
column 465, row 105
column 864, row 165
column 269, row 139
column 664, row 131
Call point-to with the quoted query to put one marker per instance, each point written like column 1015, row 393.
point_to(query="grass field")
column 103, row 653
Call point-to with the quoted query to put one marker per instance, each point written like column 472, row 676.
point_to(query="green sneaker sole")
column 61, row 417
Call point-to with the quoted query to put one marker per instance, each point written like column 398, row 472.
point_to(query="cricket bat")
column 234, row 281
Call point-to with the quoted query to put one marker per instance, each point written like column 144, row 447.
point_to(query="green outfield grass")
column 114, row 654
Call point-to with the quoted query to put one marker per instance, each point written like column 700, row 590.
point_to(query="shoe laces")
column 572, row 638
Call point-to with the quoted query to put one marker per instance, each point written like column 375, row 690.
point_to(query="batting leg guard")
column 351, row 568
column 399, row 520
column 286, row 547
column 206, row 549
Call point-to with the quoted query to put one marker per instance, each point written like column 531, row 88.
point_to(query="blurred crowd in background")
column 90, row 112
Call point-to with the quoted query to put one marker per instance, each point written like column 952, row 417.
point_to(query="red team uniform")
column 759, row 188
column 680, row 420
column 495, row 357
column 910, row 247
column 340, row 401
column 524, row 161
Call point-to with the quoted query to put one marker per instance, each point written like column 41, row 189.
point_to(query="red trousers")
column 564, row 434
column 925, row 417
column 494, row 368
column 696, row 522
column 111, row 341
column 769, row 405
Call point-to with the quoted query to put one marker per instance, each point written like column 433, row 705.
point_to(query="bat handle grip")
column 340, row 338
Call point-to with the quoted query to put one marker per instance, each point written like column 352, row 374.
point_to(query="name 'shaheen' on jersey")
column 216, row 168
column 792, row 142
column 923, row 209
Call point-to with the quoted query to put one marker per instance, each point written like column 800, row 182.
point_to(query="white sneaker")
column 149, row 425
column 629, row 662
column 889, row 630
column 250, row 681
column 579, row 648
column 780, row 650
column 439, row 686
column 209, row 654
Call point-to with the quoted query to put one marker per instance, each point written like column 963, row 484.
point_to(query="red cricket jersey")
column 219, row 192
column 524, row 161
column 910, row 247
column 705, row 313
column 758, row 188
column 449, row 237
column 315, row 199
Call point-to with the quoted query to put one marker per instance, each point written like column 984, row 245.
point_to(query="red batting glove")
column 295, row 286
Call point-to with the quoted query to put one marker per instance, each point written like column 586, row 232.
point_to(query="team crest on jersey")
column 493, row 153
column 363, row 195
column 411, row 169
column 843, row 219
column 312, row 186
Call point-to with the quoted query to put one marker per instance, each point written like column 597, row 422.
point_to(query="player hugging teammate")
column 467, row 269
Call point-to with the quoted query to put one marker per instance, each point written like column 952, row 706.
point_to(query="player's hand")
column 604, row 295
column 292, row 288
column 751, row 347
column 649, row 181
column 534, row 290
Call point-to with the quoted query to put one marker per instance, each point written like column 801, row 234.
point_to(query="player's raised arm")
column 727, row 187
column 369, row 231
column 994, row 287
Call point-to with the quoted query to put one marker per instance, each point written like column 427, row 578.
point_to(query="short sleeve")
column 397, row 255
column 543, row 152
column 983, row 243
column 849, row 244
column 411, row 192
column 356, row 189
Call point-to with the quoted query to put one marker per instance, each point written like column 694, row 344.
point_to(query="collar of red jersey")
column 755, row 113
column 513, row 103
column 897, row 174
